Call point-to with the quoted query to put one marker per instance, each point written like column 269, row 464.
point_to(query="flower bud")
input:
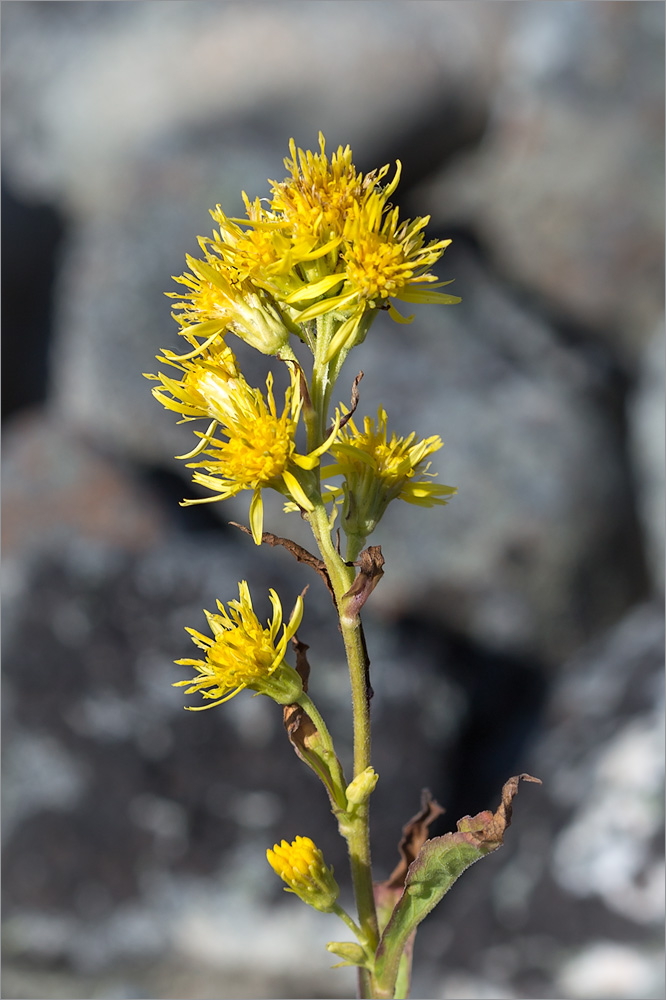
column 362, row 787
column 301, row 865
column 351, row 952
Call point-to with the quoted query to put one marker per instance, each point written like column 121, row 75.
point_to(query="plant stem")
column 321, row 384
column 356, row 828
column 348, row 920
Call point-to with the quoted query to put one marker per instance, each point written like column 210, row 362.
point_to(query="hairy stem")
column 356, row 828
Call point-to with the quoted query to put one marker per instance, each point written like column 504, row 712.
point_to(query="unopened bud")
column 362, row 787
column 301, row 865
column 351, row 952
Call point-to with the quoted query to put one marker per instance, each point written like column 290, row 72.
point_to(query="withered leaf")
column 299, row 726
column 302, row 665
column 371, row 570
column 297, row 551
column 304, row 735
column 438, row 864
column 486, row 829
column 346, row 417
column 414, row 836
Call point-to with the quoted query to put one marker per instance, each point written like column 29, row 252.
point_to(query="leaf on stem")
column 355, row 395
column 437, row 866
column 371, row 563
column 302, row 732
column 414, row 836
column 297, row 551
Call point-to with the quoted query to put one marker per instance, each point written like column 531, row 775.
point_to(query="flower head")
column 378, row 469
column 320, row 193
column 256, row 446
column 372, row 256
column 221, row 296
column 301, row 865
column 242, row 653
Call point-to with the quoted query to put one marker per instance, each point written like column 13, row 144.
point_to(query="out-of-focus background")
column 519, row 629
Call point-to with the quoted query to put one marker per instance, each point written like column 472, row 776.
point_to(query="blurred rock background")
column 521, row 628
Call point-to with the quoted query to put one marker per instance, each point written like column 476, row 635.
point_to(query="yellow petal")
column 326, row 305
column 296, row 490
column 170, row 356
column 398, row 317
column 317, row 288
column 425, row 295
column 345, row 333
column 205, row 438
column 257, row 516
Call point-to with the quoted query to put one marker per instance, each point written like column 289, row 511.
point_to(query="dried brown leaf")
column 346, row 417
column 414, row 836
column 297, row 551
column 371, row 570
column 486, row 829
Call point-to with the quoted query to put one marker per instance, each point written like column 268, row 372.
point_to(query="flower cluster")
column 257, row 446
column 318, row 260
column 328, row 242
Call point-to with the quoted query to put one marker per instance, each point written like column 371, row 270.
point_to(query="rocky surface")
column 518, row 629
column 566, row 187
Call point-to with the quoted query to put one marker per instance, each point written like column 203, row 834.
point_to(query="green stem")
column 351, row 924
column 324, row 375
column 356, row 828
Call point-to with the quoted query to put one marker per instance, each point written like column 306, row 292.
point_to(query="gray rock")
column 647, row 417
column 88, row 89
column 573, row 904
column 135, row 830
column 566, row 188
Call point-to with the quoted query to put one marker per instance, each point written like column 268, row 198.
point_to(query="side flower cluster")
column 378, row 469
column 248, row 445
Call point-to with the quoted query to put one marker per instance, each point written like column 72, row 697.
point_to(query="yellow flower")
column 301, row 865
column 243, row 654
column 257, row 448
column 376, row 256
column 222, row 297
column 321, row 194
column 378, row 470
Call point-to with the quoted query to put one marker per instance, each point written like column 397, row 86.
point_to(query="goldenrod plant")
column 316, row 263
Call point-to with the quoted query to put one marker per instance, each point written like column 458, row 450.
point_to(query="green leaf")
column 438, row 864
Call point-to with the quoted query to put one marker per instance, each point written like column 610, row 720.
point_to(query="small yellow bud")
column 301, row 865
column 362, row 787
